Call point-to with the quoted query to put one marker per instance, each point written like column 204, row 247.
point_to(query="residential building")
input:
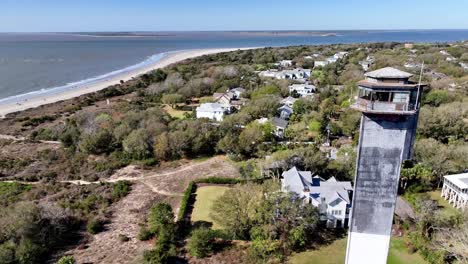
column 302, row 90
column 285, row 112
column 455, row 190
column 214, row 111
column 232, row 97
column 331, row 197
column 285, row 63
column 289, row 101
column 280, row 126
column 298, row 74
column 464, row 65
column 321, row 63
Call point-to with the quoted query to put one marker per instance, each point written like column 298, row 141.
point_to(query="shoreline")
column 32, row 100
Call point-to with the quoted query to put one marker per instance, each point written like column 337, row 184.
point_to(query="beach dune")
column 39, row 99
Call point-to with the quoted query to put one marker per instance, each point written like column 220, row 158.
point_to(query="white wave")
column 73, row 85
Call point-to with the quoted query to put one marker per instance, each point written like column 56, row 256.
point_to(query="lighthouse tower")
column 389, row 103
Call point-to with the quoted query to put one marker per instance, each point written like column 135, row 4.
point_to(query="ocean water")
column 37, row 62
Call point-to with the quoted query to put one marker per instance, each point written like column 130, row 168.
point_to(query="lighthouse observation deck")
column 388, row 91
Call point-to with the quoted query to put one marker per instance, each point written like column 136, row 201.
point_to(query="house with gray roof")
column 280, row 126
column 331, row 197
column 213, row 111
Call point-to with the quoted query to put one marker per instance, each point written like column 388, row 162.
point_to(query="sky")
column 211, row 15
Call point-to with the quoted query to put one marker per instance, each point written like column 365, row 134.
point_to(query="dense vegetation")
column 140, row 127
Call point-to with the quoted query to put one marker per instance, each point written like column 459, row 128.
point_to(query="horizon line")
column 237, row 30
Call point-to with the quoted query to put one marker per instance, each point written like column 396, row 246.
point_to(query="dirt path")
column 167, row 185
column 20, row 138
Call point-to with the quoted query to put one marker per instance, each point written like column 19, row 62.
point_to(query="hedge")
column 185, row 200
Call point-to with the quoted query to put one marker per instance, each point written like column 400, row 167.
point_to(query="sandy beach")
column 42, row 99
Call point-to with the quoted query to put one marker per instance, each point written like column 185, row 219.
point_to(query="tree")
column 137, row 145
column 172, row 99
column 98, row 142
column 200, row 244
column 236, row 208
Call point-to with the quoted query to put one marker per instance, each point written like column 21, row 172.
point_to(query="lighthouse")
column 389, row 103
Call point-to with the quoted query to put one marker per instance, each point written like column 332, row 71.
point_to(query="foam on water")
column 74, row 85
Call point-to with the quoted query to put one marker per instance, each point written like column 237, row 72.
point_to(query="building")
column 280, row 126
column 285, row 112
column 295, row 74
column 232, row 97
column 409, row 45
column 285, row 63
column 289, row 101
column 213, row 111
column 389, row 103
column 455, row 190
column 302, row 90
column 321, row 63
column 464, row 65
column 366, row 64
column 331, row 197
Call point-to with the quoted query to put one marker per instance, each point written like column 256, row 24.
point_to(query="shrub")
column 120, row 189
column 123, row 238
column 95, row 226
column 144, row 234
column 28, row 252
column 200, row 244
column 159, row 217
column 66, row 260
column 7, row 252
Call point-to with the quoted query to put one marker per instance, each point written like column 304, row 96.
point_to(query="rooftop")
column 279, row 122
column 211, row 107
column 389, row 73
column 460, row 180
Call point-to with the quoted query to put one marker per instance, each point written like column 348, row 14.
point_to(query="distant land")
column 169, row 34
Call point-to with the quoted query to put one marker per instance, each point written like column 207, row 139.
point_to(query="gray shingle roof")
column 388, row 72
column 279, row 122
column 297, row 181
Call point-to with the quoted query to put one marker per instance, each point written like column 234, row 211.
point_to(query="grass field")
column 446, row 207
column 205, row 196
column 335, row 254
column 174, row 112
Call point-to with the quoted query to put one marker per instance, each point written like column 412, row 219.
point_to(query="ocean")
column 35, row 62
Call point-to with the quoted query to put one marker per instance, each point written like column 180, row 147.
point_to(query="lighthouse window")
column 382, row 96
column 400, row 97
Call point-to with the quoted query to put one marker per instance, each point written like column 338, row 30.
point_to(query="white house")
column 321, row 63
column 302, row 89
column 464, row 65
column 296, row 74
column 331, row 197
column 285, row 63
column 455, row 190
column 214, row 111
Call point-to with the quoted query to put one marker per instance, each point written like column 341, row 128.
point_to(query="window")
column 400, row 97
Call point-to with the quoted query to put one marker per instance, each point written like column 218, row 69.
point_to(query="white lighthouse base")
column 367, row 248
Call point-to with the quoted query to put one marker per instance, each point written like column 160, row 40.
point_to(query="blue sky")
column 157, row 15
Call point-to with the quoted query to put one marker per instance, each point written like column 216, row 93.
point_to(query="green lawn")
column 205, row 196
column 335, row 254
column 174, row 112
column 446, row 207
